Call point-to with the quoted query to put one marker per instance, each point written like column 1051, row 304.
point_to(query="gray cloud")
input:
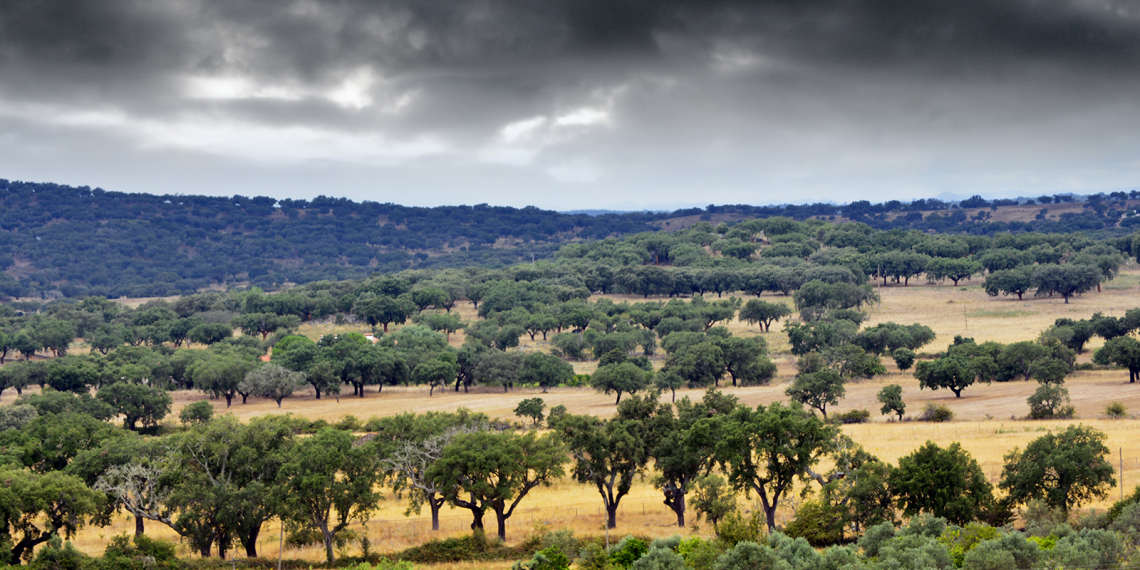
column 556, row 102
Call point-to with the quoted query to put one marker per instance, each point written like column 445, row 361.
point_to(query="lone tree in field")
column 498, row 469
column 531, row 408
column 546, row 370
column 608, row 454
column 137, row 403
column 272, row 381
column 765, row 450
column 330, row 483
column 953, row 373
column 1122, row 351
column 1009, row 282
column 763, row 313
column 683, row 451
column 1065, row 469
column 891, row 398
column 626, row 377
column 904, row 358
column 946, row 483
column 817, row 389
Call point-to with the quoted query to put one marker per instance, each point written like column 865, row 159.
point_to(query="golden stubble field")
column 987, row 416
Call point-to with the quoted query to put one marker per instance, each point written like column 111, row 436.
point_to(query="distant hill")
column 76, row 241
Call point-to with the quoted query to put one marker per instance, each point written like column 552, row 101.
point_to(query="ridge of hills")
column 64, row 241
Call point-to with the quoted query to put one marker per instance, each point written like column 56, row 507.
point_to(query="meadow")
column 988, row 418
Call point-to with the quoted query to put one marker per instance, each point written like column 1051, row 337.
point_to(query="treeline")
column 76, row 242
column 216, row 482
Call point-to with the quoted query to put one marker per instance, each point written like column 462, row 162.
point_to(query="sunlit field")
column 987, row 417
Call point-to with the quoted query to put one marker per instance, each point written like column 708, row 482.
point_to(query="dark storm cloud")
column 681, row 93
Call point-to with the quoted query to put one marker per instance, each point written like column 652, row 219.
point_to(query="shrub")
column 1050, row 402
column 817, row 522
column 1128, row 521
column 660, row 559
column 1118, row 507
column 735, row 528
column 628, row 551
column 904, row 358
column 58, row 555
column 1116, row 410
column 592, row 556
column 1088, row 549
column 550, row 558
column 1043, row 520
column 713, row 498
column 699, row 554
column 874, row 538
column 747, row 554
column 936, row 413
column 852, row 417
column 915, row 551
column 563, row 539
column 16, row 416
column 960, row 541
column 197, row 413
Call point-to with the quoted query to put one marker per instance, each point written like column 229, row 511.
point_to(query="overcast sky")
column 571, row 104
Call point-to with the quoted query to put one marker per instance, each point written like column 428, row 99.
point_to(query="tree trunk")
column 675, row 499
column 229, row 399
column 618, row 401
column 243, row 398
column 501, row 521
column 385, row 327
column 318, row 390
column 138, row 526
column 434, row 504
column 611, row 515
column 204, row 550
column 249, row 541
column 770, row 517
column 328, row 545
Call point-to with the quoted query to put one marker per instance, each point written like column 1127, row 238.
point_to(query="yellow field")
column 986, row 421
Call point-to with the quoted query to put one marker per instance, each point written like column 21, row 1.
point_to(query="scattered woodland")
column 126, row 416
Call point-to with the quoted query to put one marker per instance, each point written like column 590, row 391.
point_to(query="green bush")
column 852, row 417
column 660, row 559
column 1128, row 522
column 915, row 551
column 1050, row 402
column 735, row 528
column 700, row 554
column 960, row 541
column 58, row 555
column 550, row 558
column 819, row 523
column 874, row 538
column 750, row 555
column 1088, row 549
column 904, row 358
column 628, row 551
column 713, row 498
column 1118, row 507
column 794, row 551
column 936, row 413
column 1043, row 520
column 474, row 547
column 1116, row 410
column 197, row 413
column 564, row 540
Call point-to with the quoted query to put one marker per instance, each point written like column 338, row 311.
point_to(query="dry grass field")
column 986, row 416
